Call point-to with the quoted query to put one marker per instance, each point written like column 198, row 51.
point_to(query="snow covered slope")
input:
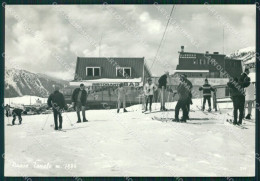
column 245, row 54
column 21, row 82
column 130, row 144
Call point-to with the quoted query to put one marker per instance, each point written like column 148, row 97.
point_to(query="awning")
column 136, row 82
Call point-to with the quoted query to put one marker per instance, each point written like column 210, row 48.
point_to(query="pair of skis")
column 172, row 120
column 239, row 126
column 156, row 111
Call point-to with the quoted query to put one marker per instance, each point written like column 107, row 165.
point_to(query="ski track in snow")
column 130, row 144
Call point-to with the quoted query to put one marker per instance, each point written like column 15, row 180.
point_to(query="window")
column 123, row 71
column 93, row 71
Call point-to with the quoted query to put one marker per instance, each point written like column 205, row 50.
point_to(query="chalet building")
column 201, row 65
column 103, row 75
column 110, row 71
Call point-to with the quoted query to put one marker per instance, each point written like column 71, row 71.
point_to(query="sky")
column 48, row 39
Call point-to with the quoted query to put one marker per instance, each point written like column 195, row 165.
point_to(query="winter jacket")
column 83, row 98
column 162, row 81
column 189, row 84
column 206, row 88
column 244, row 79
column 17, row 112
column 236, row 88
column 56, row 100
column 184, row 91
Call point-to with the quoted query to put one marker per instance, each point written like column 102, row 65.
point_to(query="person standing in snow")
column 17, row 112
column 57, row 101
column 250, row 98
column 121, row 93
column 206, row 88
column 189, row 86
column 238, row 97
column 79, row 101
column 162, row 86
column 184, row 97
column 149, row 89
column 7, row 110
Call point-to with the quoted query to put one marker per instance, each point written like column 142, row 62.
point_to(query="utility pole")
column 100, row 44
column 223, row 41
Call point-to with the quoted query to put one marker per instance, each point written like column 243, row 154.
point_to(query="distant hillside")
column 22, row 82
column 247, row 55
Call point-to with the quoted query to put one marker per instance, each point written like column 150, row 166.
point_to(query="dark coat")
column 17, row 112
column 56, row 100
column 244, row 80
column 206, row 89
column 236, row 88
column 162, row 81
column 83, row 99
column 183, row 91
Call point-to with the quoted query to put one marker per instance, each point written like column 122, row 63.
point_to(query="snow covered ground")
column 130, row 144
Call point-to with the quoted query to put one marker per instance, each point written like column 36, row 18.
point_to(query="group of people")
column 237, row 86
column 241, row 92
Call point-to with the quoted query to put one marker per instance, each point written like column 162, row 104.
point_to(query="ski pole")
column 69, row 120
column 45, row 122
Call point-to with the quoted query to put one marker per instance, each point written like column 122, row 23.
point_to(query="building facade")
column 102, row 76
column 207, row 65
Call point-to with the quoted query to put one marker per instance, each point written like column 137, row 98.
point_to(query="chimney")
column 182, row 48
column 216, row 53
column 207, row 52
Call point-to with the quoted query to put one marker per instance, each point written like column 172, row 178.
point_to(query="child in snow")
column 149, row 89
column 206, row 88
column 121, row 92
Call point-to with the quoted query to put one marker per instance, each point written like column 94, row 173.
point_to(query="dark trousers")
column 206, row 98
column 238, row 104
column 19, row 117
column 56, row 114
column 181, row 104
column 149, row 99
column 80, row 107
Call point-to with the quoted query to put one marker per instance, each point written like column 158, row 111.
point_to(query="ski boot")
column 79, row 121
column 85, row 120
column 209, row 110
column 118, row 110
column 234, row 122
column 248, row 116
column 125, row 110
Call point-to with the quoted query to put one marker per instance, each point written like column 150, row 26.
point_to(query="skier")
column 206, row 88
column 189, row 86
column 79, row 100
column 184, row 97
column 57, row 102
column 149, row 89
column 250, row 97
column 17, row 112
column 121, row 92
column 7, row 110
column 238, row 97
column 162, row 86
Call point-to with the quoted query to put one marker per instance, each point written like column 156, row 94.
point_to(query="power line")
column 162, row 36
